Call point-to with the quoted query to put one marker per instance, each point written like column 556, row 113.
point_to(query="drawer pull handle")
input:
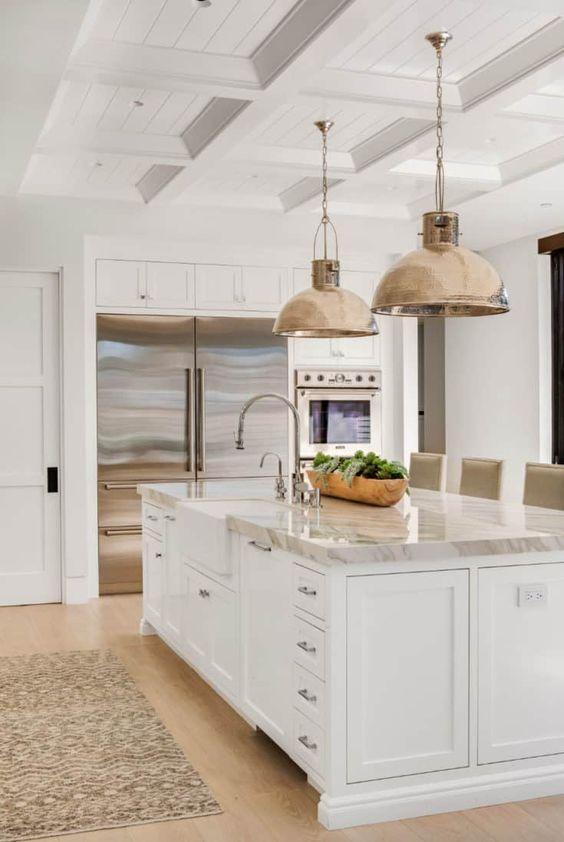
column 203, row 592
column 307, row 591
column 307, row 743
column 309, row 697
column 152, row 517
column 169, row 517
column 303, row 644
column 264, row 547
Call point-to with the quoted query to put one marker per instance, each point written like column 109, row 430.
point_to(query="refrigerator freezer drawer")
column 120, row 552
column 118, row 504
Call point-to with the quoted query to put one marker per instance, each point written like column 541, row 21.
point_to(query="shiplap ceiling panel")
column 227, row 27
column 481, row 32
column 111, row 108
column 293, row 126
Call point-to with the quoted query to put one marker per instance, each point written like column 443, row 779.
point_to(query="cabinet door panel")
column 266, row 594
column 407, row 668
column 521, row 662
column 196, row 632
column 223, row 667
column 153, row 552
column 173, row 583
column 218, row 287
column 170, row 285
column 120, row 283
column 264, row 288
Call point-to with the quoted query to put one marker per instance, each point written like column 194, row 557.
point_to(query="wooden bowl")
column 374, row 492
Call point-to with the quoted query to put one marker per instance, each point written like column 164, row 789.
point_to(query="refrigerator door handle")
column 201, row 419
column 123, row 530
column 188, row 422
column 120, row 486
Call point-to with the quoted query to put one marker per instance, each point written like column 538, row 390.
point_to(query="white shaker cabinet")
column 210, row 629
column 153, row 562
column 170, row 285
column 264, row 288
column 520, row 651
column 121, row 283
column 266, row 630
column 407, row 667
column 173, row 582
column 218, row 287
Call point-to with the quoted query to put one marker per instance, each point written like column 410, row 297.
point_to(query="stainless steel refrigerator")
column 170, row 389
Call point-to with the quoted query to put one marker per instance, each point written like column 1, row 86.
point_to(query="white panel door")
column 196, row 619
column 266, row 622
column 121, row 283
column 170, row 285
column 521, row 662
column 407, row 674
column 30, row 555
column 264, row 289
column 173, row 581
column 153, row 580
column 218, row 288
column 223, row 666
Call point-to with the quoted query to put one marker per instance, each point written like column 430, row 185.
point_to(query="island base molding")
column 337, row 813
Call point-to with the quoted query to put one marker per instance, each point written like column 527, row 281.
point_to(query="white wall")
column 497, row 377
column 51, row 232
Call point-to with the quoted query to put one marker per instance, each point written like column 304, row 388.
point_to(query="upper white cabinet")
column 170, row 285
column 360, row 351
column 218, row 287
column 120, row 283
column 407, row 673
column 264, row 288
column 521, row 662
column 241, row 288
column 131, row 283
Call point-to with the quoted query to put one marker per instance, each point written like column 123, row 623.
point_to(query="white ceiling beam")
column 378, row 89
column 158, row 67
column 156, row 149
column 303, row 161
column 301, row 192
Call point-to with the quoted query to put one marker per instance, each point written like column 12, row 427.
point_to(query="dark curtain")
column 557, row 283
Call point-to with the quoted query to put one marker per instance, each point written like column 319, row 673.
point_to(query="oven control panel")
column 345, row 378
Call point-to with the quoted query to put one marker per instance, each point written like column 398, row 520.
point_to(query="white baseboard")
column 75, row 591
column 442, row 797
column 145, row 628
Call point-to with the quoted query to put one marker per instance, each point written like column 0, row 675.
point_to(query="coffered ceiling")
column 166, row 101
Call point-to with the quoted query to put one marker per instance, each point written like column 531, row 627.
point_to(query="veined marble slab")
column 425, row 526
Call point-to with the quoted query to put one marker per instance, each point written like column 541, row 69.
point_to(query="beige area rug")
column 81, row 749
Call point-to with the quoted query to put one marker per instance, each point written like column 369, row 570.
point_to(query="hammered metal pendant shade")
column 442, row 278
column 325, row 310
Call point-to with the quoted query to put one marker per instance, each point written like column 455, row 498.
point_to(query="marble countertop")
column 428, row 525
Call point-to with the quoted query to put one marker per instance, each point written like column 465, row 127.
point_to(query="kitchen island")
column 410, row 659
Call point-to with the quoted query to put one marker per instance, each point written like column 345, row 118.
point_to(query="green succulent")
column 367, row 465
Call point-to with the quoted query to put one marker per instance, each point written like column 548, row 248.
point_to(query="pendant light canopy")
column 442, row 278
column 325, row 309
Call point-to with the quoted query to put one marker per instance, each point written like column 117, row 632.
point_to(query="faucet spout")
column 298, row 484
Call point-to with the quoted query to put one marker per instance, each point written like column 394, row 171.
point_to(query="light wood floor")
column 265, row 797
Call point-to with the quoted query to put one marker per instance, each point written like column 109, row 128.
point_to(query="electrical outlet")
column 533, row 594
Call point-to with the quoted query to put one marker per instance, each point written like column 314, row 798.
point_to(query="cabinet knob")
column 142, row 295
column 203, row 592
column 169, row 517
column 158, row 555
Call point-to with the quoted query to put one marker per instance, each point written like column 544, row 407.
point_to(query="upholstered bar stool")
column 481, row 478
column 544, row 485
column 427, row 470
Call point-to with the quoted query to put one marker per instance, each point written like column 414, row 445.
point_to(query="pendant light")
column 442, row 278
column 325, row 309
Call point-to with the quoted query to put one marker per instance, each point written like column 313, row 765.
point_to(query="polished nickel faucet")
column 301, row 493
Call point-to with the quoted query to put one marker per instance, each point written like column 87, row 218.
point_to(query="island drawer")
column 309, row 647
column 308, row 694
column 309, row 591
column 308, row 742
column 153, row 518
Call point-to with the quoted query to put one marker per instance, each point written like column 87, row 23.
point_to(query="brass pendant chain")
column 324, row 213
column 440, row 177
